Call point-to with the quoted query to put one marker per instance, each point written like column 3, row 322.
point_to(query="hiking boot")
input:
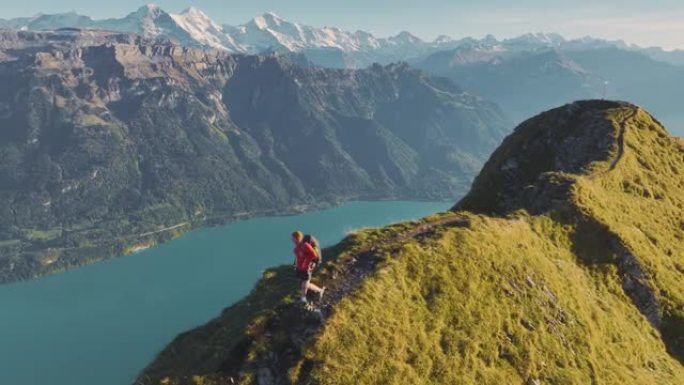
column 320, row 294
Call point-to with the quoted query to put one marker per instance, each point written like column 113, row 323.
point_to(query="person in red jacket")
column 306, row 257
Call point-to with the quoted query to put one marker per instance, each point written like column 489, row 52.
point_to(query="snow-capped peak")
column 143, row 21
column 260, row 22
column 195, row 16
column 269, row 32
column 203, row 29
column 443, row 39
column 149, row 9
column 539, row 38
column 192, row 11
column 405, row 37
column 272, row 18
column 268, row 20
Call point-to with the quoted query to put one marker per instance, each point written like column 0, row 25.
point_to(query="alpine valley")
column 111, row 142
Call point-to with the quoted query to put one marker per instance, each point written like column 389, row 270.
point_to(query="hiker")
column 306, row 255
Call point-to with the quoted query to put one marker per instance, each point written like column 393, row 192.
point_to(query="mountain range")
column 271, row 33
column 265, row 33
column 110, row 141
column 526, row 82
column 525, row 75
column 562, row 265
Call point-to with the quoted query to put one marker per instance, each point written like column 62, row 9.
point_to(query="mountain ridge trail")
column 349, row 274
column 621, row 139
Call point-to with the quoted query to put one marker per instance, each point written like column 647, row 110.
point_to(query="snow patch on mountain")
column 203, row 29
column 271, row 33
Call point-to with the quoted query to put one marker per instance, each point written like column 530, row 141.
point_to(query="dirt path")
column 621, row 139
column 301, row 324
column 365, row 261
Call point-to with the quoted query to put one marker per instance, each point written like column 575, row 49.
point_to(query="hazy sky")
column 654, row 22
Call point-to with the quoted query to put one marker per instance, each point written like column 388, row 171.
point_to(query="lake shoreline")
column 133, row 243
column 103, row 323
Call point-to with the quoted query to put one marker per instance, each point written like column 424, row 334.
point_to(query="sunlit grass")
column 511, row 300
column 503, row 301
column 504, row 298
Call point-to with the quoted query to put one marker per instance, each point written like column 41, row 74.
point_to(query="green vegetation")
column 548, row 303
column 230, row 337
column 641, row 201
column 502, row 301
column 86, row 169
column 562, row 266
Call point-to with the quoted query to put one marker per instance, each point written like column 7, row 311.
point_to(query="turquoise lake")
column 102, row 323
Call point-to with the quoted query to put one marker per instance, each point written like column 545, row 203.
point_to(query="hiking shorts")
column 303, row 275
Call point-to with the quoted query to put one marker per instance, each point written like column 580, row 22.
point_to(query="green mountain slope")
column 563, row 265
column 109, row 142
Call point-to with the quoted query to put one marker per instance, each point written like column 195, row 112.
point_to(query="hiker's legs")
column 313, row 287
column 307, row 285
column 304, row 279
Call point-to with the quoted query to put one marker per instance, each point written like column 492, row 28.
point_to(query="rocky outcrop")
column 12, row 40
column 635, row 282
column 531, row 167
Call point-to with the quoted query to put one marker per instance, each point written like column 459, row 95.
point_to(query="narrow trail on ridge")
column 365, row 261
column 298, row 325
column 621, row 139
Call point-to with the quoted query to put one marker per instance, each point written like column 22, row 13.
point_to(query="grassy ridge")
column 641, row 201
column 562, row 266
column 548, row 303
column 503, row 301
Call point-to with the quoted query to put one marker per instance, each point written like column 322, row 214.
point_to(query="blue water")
column 101, row 324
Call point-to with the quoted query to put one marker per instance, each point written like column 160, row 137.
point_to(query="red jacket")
column 305, row 254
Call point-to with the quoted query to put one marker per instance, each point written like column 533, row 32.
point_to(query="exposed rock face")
column 635, row 282
column 532, row 161
column 25, row 42
column 105, row 137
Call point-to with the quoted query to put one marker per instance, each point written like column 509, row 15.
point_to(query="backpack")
column 311, row 240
